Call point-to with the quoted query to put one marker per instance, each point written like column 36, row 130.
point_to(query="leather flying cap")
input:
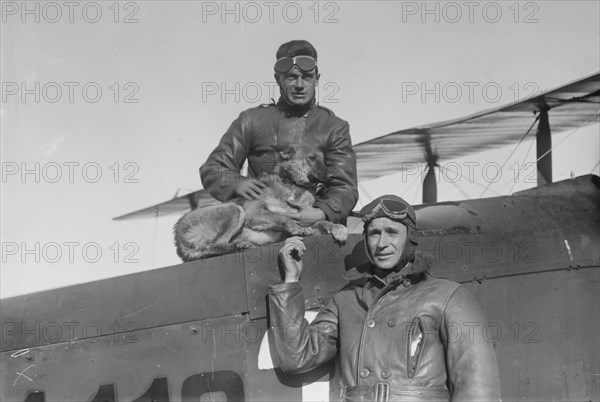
column 389, row 206
column 296, row 48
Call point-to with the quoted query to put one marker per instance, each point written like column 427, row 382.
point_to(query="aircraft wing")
column 178, row 204
column 570, row 106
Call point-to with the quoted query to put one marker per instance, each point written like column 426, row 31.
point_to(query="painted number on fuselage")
column 221, row 384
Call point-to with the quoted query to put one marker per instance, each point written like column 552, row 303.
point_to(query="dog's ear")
column 286, row 152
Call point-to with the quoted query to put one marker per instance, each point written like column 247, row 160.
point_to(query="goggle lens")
column 304, row 63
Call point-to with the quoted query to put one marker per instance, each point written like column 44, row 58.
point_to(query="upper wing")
column 570, row 106
column 192, row 200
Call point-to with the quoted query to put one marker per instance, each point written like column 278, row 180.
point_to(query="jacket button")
column 391, row 323
column 406, row 283
column 385, row 374
column 364, row 373
column 370, row 323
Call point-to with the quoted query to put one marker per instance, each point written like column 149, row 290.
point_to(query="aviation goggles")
column 389, row 206
column 304, row 63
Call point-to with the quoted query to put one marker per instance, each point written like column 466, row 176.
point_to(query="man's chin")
column 385, row 264
column 298, row 102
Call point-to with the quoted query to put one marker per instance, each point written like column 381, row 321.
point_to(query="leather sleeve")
column 341, row 192
column 471, row 361
column 222, row 168
column 300, row 347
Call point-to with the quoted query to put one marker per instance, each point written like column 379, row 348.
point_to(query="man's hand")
column 306, row 215
column 291, row 257
column 248, row 188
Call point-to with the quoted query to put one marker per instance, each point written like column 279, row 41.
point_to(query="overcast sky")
column 112, row 107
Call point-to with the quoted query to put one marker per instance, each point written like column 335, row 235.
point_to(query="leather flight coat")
column 252, row 135
column 415, row 338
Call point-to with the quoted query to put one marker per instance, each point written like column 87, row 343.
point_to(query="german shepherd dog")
column 240, row 224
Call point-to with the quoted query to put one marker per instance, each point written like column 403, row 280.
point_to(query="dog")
column 239, row 224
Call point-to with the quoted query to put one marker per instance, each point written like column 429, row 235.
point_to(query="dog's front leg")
column 339, row 232
column 266, row 220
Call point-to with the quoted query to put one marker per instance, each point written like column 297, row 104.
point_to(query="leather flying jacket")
column 412, row 337
column 252, row 135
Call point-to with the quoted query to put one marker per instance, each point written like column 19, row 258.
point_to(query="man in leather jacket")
column 295, row 118
column 396, row 332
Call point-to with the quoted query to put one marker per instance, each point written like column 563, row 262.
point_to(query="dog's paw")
column 243, row 245
column 296, row 230
column 302, row 231
column 339, row 233
column 307, row 232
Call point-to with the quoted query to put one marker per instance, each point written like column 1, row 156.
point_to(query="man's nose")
column 383, row 241
column 299, row 83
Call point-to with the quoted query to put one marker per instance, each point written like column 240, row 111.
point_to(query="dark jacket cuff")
column 330, row 214
column 283, row 287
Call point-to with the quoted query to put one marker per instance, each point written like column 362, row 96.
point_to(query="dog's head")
column 302, row 164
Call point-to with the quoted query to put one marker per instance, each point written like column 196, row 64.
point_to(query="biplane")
column 198, row 331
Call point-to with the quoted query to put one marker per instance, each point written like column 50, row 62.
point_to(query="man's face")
column 386, row 239
column 298, row 87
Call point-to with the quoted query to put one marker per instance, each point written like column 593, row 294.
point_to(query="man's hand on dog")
column 291, row 257
column 249, row 189
column 306, row 215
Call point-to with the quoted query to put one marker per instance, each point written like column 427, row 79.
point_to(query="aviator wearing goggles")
column 304, row 63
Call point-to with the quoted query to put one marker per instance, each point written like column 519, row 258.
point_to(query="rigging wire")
column 555, row 146
column 416, row 180
column 414, row 198
column 512, row 152
column 457, row 186
column 469, row 179
column 563, row 140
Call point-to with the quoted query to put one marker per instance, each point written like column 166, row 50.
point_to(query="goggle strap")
column 398, row 216
column 392, row 215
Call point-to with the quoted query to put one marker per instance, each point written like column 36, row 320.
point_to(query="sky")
column 112, row 107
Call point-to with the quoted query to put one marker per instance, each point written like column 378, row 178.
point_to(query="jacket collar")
column 366, row 273
column 295, row 111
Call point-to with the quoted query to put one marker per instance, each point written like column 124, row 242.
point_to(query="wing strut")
column 544, row 148
column 430, row 186
column 429, row 183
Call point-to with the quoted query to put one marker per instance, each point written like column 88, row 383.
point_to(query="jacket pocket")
column 414, row 346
